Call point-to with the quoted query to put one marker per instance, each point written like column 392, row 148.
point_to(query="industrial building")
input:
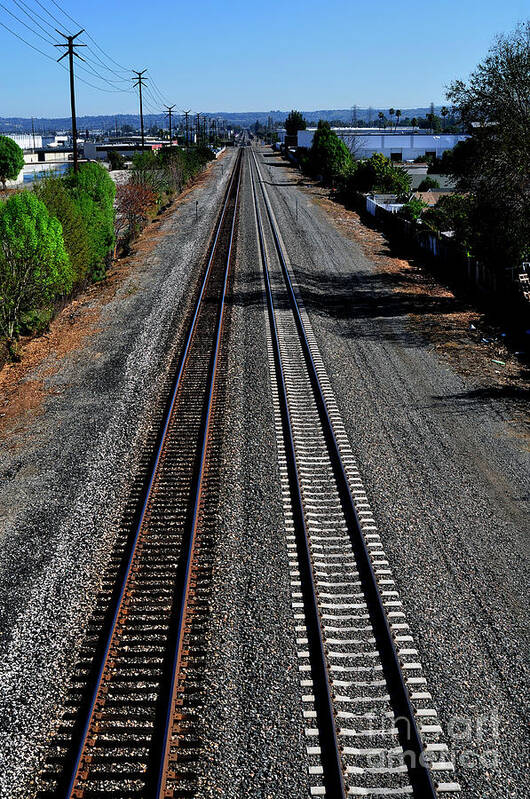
column 401, row 145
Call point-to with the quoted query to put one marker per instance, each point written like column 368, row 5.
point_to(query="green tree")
column 414, row 122
column 295, row 122
column 428, row 183
column 453, row 212
column 391, row 112
column 93, row 191
column 329, row 156
column 398, row 114
column 11, row 160
column 378, row 174
column 494, row 165
column 34, row 265
column 413, row 209
column 53, row 192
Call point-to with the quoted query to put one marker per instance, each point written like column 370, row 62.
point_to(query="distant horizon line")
column 350, row 109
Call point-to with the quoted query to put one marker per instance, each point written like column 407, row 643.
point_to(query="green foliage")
column 329, row 156
column 494, row 164
column 11, row 159
column 378, row 174
column 413, row 209
column 295, row 122
column 92, row 191
column 428, row 183
column 34, row 265
column 454, row 212
column 53, row 192
column 116, row 160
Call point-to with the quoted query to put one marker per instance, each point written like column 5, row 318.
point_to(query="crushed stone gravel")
column 445, row 465
column 64, row 484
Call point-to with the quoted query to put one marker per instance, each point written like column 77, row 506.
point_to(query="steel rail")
column 331, row 758
column 82, row 744
column 419, row 771
column 197, row 494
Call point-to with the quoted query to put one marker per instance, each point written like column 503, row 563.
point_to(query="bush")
column 11, row 160
column 378, row 174
column 34, row 265
column 93, row 192
column 452, row 212
column 53, row 192
column 428, row 183
column 116, row 160
column 413, row 209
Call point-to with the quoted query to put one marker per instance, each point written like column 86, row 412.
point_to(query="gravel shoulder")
column 73, row 415
column 442, row 445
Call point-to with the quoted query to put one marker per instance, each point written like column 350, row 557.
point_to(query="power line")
column 66, row 14
column 49, row 57
column 23, row 7
column 48, row 41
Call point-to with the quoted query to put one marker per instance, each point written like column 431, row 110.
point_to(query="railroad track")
column 136, row 736
column 370, row 725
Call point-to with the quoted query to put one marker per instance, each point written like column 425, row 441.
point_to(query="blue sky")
column 245, row 55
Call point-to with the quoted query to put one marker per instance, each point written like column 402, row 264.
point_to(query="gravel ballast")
column 445, row 466
column 254, row 743
column 65, row 483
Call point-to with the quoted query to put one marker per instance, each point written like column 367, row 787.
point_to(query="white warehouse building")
column 404, row 145
column 26, row 141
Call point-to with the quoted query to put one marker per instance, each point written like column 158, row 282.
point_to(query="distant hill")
column 243, row 118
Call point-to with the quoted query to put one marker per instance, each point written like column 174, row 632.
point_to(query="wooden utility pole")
column 187, row 129
column 70, row 52
column 139, row 82
column 168, row 114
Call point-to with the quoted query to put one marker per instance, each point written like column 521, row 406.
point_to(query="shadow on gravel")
column 484, row 395
column 357, row 299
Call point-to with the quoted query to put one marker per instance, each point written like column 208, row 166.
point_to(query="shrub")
column 34, row 265
column 428, row 183
column 134, row 201
column 452, row 212
column 116, row 160
column 11, row 160
column 93, row 192
column 378, row 174
column 413, row 209
column 53, row 192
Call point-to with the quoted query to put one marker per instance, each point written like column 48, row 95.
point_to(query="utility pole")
column 70, row 52
column 186, row 113
column 139, row 82
column 33, row 132
column 169, row 112
column 198, row 128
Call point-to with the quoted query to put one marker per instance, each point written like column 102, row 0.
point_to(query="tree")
column 391, row 112
column 494, row 164
column 428, row 183
column 413, row 209
column 378, row 174
column 295, row 122
column 453, row 212
column 93, row 191
column 329, row 156
column 444, row 112
column 11, row 160
column 54, row 194
column 398, row 114
column 414, row 122
column 133, row 203
column 381, row 118
column 34, row 265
